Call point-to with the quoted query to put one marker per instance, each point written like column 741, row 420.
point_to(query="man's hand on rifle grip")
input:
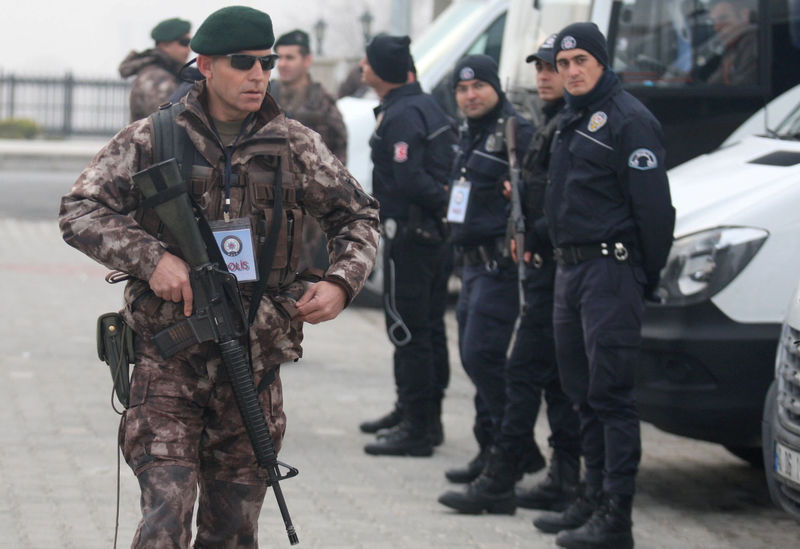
column 170, row 281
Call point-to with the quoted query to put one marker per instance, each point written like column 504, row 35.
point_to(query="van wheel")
column 751, row 454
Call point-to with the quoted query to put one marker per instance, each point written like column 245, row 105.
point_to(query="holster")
column 424, row 227
column 115, row 348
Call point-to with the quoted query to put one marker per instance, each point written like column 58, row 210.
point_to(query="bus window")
column 688, row 42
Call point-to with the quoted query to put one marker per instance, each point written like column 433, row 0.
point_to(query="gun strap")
column 270, row 245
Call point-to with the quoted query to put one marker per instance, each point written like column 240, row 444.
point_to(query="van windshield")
column 688, row 42
column 444, row 32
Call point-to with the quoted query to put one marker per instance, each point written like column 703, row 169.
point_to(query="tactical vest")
column 252, row 193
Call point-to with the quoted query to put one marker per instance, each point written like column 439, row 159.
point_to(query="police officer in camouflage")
column 488, row 302
column 182, row 434
column 156, row 70
column 412, row 148
column 306, row 101
column 302, row 98
column 610, row 218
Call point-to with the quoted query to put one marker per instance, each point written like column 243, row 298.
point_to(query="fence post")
column 69, row 85
column 11, row 89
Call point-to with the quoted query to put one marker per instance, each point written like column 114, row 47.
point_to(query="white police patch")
column 549, row 44
column 466, row 74
column 643, row 159
column 597, row 121
column 568, row 42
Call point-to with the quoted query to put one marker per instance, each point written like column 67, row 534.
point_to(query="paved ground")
column 58, row 455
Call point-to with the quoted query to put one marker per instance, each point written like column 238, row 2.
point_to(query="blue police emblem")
column 466, row 74
column 231, row 245
column 568, row 42
column 643, row 159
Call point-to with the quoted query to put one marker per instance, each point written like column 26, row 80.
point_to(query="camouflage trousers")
column 183, row 432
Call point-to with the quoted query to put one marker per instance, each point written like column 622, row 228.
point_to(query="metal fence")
column 66, row 105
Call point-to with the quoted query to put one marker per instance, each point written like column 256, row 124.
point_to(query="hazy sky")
column 91, row 37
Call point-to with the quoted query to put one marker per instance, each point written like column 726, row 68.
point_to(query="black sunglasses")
column 244, row 62
column 184, row 41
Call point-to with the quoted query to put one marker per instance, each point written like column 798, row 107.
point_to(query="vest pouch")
column 115, row 348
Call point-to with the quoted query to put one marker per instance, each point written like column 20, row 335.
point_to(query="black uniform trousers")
column 531, row 369
column 415, row 294
column 597, row 321
column 486, row 310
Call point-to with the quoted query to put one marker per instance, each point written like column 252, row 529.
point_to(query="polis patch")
column 568, row 43
column 400, row 151
column 643, row 159
column 597, row 121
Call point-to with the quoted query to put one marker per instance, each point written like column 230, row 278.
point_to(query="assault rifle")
column 517, row 219
column 218, row 315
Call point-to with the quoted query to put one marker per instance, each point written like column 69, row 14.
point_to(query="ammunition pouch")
column 115, row 348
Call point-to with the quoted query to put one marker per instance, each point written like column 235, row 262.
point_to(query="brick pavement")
column 58, row 454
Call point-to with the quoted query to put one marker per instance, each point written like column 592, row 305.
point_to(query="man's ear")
column 204, row 65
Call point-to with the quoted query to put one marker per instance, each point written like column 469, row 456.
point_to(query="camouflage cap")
column 170, row 29
column 232, row 29
column 294, row 38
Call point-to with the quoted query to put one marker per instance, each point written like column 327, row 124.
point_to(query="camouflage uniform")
column 182, row 428
column 315, row 108
column 156, row 79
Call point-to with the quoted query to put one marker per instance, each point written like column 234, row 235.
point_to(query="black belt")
column 572, row 255
column 483, row 254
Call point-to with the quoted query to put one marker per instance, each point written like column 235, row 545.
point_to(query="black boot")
column 492, row 491
column 574, row 516
column 470, row 472
column 406, row 439
column 610, row 527
column 558, row 490
column 385, row 422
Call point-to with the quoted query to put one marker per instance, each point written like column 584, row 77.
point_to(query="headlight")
column 701, row 264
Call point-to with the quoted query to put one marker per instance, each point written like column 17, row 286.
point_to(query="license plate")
column 787, row 463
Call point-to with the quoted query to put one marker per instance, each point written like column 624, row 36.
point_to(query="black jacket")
column 482, row 159
column 608, row 180
column 412, row 151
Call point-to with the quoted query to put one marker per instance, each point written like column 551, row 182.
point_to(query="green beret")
column 233, row 29
column 294, row 38
column 170, row 29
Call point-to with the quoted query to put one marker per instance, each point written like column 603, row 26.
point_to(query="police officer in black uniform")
column 478, row 213
column 412, row 151
column 610, row 219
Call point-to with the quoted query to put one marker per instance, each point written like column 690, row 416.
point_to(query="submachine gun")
column 218, row 314
column 517, row 219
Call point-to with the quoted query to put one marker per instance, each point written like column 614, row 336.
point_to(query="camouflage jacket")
column 99, row 215
column 315, row 108
column 156, row 78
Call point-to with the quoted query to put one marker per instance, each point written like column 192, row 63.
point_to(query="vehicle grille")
column 787, row 370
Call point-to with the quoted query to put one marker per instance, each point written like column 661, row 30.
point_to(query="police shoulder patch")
column 400, row 151
column 597, row 121
column 643, row 159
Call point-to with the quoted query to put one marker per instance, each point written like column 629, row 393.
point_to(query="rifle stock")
column 218, row 315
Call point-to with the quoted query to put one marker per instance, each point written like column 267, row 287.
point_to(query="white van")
column 708, row 349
